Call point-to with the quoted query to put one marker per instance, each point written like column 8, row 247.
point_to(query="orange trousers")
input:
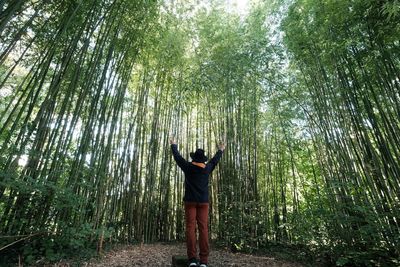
column 197, row 212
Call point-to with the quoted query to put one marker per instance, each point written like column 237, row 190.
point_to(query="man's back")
column 196, row 176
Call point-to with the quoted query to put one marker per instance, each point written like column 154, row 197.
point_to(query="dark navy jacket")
column 196, row 178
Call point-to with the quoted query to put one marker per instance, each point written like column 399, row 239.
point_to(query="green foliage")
column 243, row 227
column 337, row 48
column 72, row 242
column 391, row 9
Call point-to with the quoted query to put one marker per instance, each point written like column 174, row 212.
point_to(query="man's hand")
column 221, row 146
column 172, row 140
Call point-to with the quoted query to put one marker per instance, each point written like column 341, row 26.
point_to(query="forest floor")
column 161, row 255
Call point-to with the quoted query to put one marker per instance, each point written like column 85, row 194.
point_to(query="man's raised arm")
column 182, row 163
column 214, row 161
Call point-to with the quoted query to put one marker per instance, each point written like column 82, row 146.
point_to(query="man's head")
column 198, row 156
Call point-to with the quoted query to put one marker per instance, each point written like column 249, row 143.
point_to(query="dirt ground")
column 161, row 255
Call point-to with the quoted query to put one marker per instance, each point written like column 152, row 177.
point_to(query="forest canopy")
column 304, row 93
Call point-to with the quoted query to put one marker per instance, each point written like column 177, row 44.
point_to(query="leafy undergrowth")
column 74, row 243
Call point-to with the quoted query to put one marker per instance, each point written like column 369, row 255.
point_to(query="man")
column 196, row 199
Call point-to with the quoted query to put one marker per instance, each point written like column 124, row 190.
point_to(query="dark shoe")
column 203, row 265
column 193, row 262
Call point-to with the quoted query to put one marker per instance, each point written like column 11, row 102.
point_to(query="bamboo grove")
column 304, row 93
